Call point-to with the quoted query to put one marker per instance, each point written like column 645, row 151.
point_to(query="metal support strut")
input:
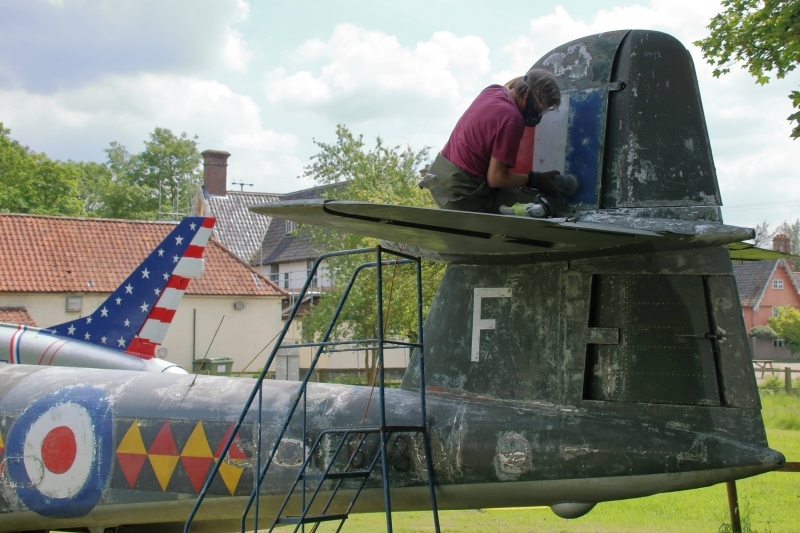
column 359, row 449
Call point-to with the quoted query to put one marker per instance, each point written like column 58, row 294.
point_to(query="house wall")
column 765, row 349
column 297, row 273
column 774, row 298
column 241, row 336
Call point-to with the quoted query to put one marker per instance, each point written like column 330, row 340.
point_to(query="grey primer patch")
column 513, row 455
column 289, row 453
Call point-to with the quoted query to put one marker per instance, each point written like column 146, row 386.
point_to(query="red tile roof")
column 16, row 315
column 66, row 254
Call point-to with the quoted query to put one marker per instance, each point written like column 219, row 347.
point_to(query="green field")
column 770, row 502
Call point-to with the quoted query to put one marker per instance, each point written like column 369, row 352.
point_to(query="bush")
column 762, row 332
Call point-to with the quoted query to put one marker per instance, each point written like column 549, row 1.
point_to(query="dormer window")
column 777, row 284
column 290, row 226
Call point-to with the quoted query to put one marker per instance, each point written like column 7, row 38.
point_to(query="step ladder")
column 368, row 444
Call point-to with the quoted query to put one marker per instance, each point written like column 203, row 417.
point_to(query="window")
column 774, row 311
column 777, row 283
column 290, row 226
column 778, row 343
column 274, row 271
column 309, row 266
column 285, row 280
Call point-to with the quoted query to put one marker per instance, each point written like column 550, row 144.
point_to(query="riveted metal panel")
column 657, row 147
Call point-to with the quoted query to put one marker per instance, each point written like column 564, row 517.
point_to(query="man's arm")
column 499, row 177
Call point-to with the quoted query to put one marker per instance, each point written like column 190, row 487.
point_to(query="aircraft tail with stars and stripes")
column 125, row 331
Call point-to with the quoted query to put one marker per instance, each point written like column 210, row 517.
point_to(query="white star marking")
column 175, row 258
column 86, row 336
column 127, row 323
column 128, row 289
column 103, row 339
column 144, row 307
column 104, row 311
column 192, row 226
column 166, row 276
column 160, row 252
column 88, row 320
column 119, row 301
column 146, row 273
column 158, row 292
column 178, row 240
column 71, row 330
column 121, row 342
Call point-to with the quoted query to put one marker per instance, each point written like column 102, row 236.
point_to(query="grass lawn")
column 771, row 501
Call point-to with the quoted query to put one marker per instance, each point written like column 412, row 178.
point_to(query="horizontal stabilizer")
column 459, row 232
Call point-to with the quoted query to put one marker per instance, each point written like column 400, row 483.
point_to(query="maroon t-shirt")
column 491, row 127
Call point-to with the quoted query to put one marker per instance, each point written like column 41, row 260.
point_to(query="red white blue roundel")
column 59, row 452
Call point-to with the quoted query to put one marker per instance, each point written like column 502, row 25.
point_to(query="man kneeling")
column 471, row 173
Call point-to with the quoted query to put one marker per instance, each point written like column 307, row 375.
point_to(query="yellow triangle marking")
column 163, row 466
column 197, row 445
column 132, row 441
column 230, row 475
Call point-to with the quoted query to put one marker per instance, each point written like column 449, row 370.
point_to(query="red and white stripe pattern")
column 13, row 345
column 544, row 147
column 158, row 321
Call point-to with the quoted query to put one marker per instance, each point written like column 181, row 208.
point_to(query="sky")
column 264, row 80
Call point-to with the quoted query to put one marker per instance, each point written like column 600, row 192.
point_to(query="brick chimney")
column 780, row 243
column 215, row 171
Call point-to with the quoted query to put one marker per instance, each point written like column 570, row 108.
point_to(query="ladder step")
column 339, row 475
column 310, row 519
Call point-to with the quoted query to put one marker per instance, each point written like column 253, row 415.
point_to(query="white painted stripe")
column 550, row 140
column 189, row 267
column 170, row 298
column 154, row 331
column 202, row 236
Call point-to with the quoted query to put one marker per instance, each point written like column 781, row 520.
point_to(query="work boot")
column 553, row 183
column 539, row 209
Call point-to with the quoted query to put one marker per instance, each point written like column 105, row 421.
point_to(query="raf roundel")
column 60, row 452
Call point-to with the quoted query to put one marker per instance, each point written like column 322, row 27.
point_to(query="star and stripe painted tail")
column 136, row 317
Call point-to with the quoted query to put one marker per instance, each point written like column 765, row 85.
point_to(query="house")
column 238, row 228
column 763, row 287
column 56, row 269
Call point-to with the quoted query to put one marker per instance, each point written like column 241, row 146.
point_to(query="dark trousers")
column 454, row 189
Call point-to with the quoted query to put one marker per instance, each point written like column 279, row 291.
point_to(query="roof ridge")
column 252, row 270
column 88, row 219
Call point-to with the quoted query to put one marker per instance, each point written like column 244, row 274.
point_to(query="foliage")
column 762, row 332
column 779, row 410
column 380, row 174
column 762, row 34
column 787, row 326
column 169, row 164
column 31, row 182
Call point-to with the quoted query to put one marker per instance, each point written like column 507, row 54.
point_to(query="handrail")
column 383, row 430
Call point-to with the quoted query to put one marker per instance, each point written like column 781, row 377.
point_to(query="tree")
column 787, row 326
column 762, row 34
column 31, row 182
column 160, row 180
column 381, row 175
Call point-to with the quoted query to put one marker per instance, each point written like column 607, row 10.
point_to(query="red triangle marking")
column 196, row 470
column 131, row 465
column 164, row 444
column 235, row 452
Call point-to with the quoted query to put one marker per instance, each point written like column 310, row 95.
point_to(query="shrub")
column 762, row 332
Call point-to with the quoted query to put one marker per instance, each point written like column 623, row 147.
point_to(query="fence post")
column 787, row 383
column 733, row 507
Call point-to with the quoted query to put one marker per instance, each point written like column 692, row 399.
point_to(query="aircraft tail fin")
column 137, row 315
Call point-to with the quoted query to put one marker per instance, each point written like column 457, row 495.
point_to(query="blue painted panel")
column 585, row 132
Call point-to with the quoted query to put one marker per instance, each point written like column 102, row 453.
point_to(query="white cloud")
column 54, row 44
column 367, row 75
column 76, row 123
